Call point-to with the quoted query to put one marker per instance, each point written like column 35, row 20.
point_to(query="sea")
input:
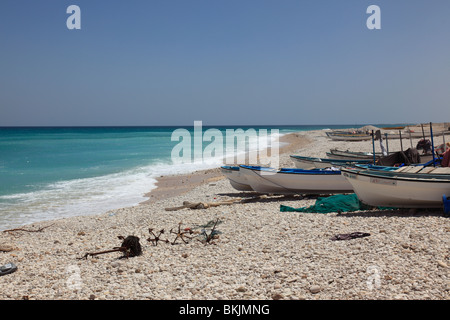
column 49, row 173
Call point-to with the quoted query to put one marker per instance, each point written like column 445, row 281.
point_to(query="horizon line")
column 213, row 125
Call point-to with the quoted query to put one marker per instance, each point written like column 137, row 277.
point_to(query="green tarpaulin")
column 335, row 203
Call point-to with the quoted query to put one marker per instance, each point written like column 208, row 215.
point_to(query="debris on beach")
column 206, row 205
column 202, row 205
column 186, row 234
column 181, row 234
column 27, row 230
column 6, row 247
column 335, row 203
column 156, row 238
column 209, row 238
column 210, row 224
column 130, row 247
column 349, row 236
column 7, row 268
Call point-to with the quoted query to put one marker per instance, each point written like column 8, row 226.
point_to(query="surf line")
column 237, row 147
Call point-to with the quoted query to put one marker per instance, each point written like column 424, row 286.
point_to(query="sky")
column 223, row 62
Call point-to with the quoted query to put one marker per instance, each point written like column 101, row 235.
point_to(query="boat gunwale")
column 433, row 178
column 317, row 171
column 348, row 152
column 325, row 160
column 230, row 168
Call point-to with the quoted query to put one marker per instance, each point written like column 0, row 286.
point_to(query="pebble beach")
column 260, row 253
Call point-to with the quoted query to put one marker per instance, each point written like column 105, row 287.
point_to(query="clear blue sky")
column 225, row 62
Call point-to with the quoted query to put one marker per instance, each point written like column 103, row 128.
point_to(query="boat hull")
column 414, row 135
column 321, row 163
column 354, row 157
column 396, row 189
column 348, row 136
column 292, row 181
column 351, row 155
column 236, row 178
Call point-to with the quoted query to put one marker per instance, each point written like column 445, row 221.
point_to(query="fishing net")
column 335, row 203
column 410, row 156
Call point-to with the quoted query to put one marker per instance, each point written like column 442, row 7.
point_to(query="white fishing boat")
column 303, row 162
column 348, row 136
column 375, row 167
column 413, row 135
column 237, row 180
column 295, row 181
column 406, row 187
column 351, row 155
column 356, row 156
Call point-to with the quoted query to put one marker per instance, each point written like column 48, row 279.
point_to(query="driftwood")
column 206, row 205
column 27, row 230
column 202, row 205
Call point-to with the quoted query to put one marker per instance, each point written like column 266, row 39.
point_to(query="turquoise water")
column 48, row 173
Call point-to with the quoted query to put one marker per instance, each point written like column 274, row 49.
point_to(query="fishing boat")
column 348, row 136
column 237, row 180
column 406, row 187
column 375, row 167
column 393, row 128
column 351, row 155
column 295, row 181
column 413, row 134
column 318, row 163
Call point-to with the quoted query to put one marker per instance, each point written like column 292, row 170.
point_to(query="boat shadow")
column 256, row 197
column 398, row 213
column 262, row 197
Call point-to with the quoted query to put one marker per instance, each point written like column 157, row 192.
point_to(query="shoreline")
column 174, row 185
column 160, row 188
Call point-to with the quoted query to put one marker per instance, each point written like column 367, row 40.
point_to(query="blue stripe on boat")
column 331, row 160
column 293, row 170
column 230, row 168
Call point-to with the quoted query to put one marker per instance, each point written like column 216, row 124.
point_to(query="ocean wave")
column 76, row 197
column 96, row 195
column 89, row 196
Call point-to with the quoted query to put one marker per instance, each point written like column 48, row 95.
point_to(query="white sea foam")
column 89, row 196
